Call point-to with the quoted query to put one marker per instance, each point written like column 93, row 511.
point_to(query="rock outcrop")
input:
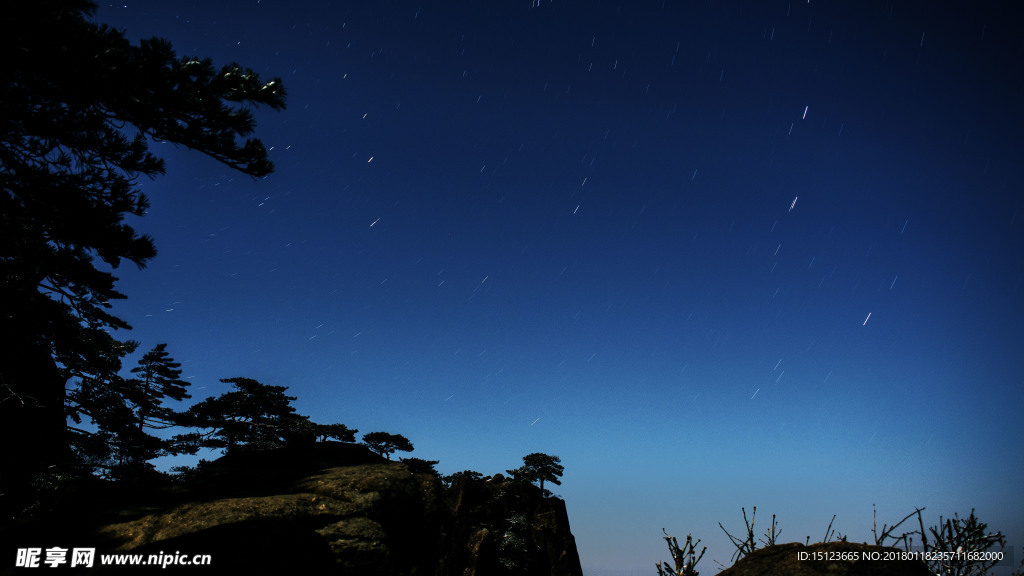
column 503, row 527
column 331, row 508
column 824, row 559
column 373, row 519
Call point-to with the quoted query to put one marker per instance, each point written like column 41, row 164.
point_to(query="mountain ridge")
column 322, row 508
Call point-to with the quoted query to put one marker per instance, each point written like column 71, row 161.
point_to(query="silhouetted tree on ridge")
column 386, row 444
column 253, row 416
column 460, row 478
column 339, row 432
column 78, row 105
column 539, row 466
column 421, row 466
column 123, row 409
column 159, row 377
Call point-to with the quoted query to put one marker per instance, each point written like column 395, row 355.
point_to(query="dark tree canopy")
column 420, row 466
column 539, row 466
column 252, row 416
column 78, row 106
column 340, row 432
column 159, row 377
column 461, row 478
column 386, row 444
column 122, row 409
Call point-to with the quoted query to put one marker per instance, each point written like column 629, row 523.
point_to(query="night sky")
column 711, row 254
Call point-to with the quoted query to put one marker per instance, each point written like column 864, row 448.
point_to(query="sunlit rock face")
column 824, row 559
column 361, row 519
column 330, row 508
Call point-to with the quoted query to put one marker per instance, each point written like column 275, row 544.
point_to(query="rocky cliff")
column 503, row 527
column 327, row 509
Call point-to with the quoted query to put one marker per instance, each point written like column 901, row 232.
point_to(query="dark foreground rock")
column 786, row 560
column 329, row 509
column 503, row 527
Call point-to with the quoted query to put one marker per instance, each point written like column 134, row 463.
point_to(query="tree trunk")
column 33, row 426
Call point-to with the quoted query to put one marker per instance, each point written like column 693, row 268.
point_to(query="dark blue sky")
column 712, row 254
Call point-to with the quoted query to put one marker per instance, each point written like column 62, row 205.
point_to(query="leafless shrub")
column 749, row 544
column 957, row 537
column 683, row 558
